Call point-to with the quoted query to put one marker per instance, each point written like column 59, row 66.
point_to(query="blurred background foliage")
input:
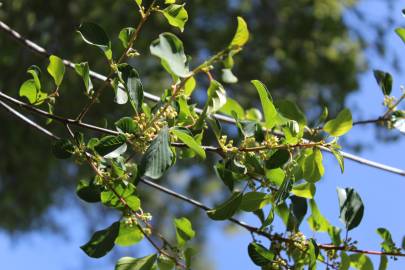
column 304, row 50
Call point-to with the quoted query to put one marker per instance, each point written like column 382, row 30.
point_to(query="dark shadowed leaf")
column 259, row 254
column 63, row 149
column 384, row 80
column 351, row 207
column 102, row 241
column 226, row 209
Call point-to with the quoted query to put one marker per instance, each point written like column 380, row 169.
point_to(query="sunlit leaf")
column 176, row 15
column 340, row 125
column 351, row 207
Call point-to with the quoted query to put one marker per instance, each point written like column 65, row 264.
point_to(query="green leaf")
column 189, row 86
column 299, row 208
column 313, row 168
column 125, row 36
column 190, row 142
column 339, row 157
column 340, row 125
column 226, row 175
column 231, row 106
column 228, row 76
column 387, row 245
column 62, row 148
column 102, row 241
column 158, row 157
column 226, row 209
column 383, row 263
column 176, row 15
column 253, row 201
column 94, row 35
column 241, row 36
column 113, row 198
column 344, row 261
column 169, row 49
column 165, row 263
column 128, row 235
column 351, row 207
column 270, row 112
column 313, row 251
column 126, row 125
column 304, row 190
column 29, row 90
column 317, row 222
column 276, row 176
column 216, row 97
column 384, row 80
column 56, row 69
column 35, row 72
column 84, row 71
column 401, row 33
column 88, row 192
column 111, row 146
column 260, row 255
column 128, row 263
column 361, row 262
column 184, row 230
column 278, row 159
column 132, row 84
column 291, row 111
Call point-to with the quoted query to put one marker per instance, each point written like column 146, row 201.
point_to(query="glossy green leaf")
column 276, row 176
column 226, row 175
column 344, row 261
column 111, row 146
column 62, row 148
column 126, row 125
column 56, row 69
column 94, row 35
column 242, row 34
column 361, row 262
column 334, row 234
column 128, row 263
column 384, row 80
column 313, row 252
column 29, row 90
column 113, row 198
column 260, row 255
column 132, row 84
column 164, row 263
column 128, row 235
column 351, row 207
column 317, row 222
column 401, row 33
column 184, row 230
column 232, row 105
column 304, row 190
column 190, row 142
column 169, row 49
column 340, row 159
column 387, row 245
column 226, row 209
column 383, row 263
column 102, row 241
column 125, row 36
column 88, row 192
column 158, row 157
column 313, row 167
column 35, row 72
column 84, row 71
column 189, row 86
column 176, row 15
column 291, row 111
column 269, row 110
column 253, row 201
column 216, row 97
column 340, row 125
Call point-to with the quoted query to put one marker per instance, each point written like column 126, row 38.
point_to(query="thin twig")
column 29, row 121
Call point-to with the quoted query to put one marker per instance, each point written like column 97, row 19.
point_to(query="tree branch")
column 40, row 50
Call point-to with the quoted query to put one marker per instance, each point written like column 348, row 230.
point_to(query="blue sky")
column 382, row 192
